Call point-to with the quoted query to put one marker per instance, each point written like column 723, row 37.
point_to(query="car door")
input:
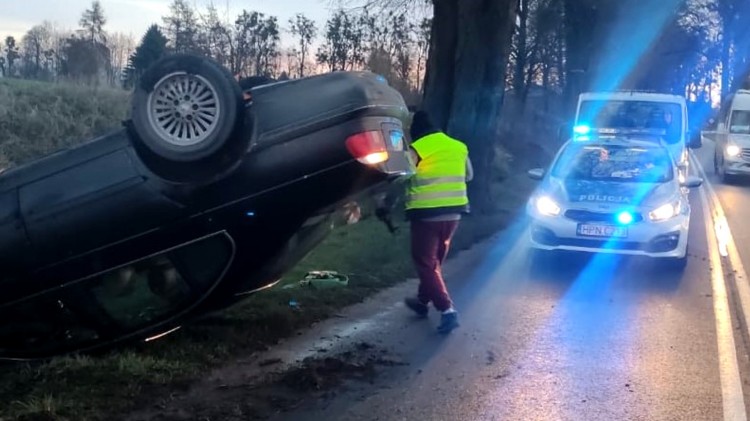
column 88, row 205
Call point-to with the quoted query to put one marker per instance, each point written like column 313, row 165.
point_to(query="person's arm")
column 469, row 170
column 414, row 156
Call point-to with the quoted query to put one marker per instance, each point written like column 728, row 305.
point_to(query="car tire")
column 719, row 169
column 186, row 108
column 677, row 263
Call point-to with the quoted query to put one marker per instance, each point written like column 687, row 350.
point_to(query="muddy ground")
column 237, row 397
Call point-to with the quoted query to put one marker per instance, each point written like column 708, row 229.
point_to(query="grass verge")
column 37, row 118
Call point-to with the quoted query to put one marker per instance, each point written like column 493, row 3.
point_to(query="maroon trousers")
column 430, row 241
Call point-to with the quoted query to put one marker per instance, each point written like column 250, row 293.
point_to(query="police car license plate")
column 595, row 230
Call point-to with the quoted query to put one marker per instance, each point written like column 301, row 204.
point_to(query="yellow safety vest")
column 440, row 180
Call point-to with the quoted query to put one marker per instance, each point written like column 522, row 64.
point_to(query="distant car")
column 613, row 194
column 732, row 151
column 201, row 199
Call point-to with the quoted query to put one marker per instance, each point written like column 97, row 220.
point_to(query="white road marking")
column 717, row 231
column 724, row 235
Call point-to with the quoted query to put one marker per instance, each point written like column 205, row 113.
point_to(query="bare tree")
column 345, row 46
column 267, row 39
column 121, row 46
column 422, row 35
column 11, row 55
column 215, row 38
column 36, row 42
column 181, row 26
column 246, row 29
column 305, row 30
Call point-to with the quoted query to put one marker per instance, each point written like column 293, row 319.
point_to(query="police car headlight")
column 664, row 212
column 546, row 206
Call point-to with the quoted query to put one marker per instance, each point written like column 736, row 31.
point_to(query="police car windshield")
column 618, row 163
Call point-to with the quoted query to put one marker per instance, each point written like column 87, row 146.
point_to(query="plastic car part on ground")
column 322, row 279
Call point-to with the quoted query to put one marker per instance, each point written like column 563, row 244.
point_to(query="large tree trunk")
column 440, row 69
column 466, row 78
column 519, row 71
column 741, row 44
column 725, row 12
column 579, row 32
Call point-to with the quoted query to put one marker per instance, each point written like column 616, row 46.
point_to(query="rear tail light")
column 368, row 147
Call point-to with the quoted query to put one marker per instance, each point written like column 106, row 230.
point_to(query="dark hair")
column 422, row 125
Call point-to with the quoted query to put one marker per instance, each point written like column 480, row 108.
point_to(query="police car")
column 613, row 192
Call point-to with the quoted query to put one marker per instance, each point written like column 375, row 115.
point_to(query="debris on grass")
column 321, row 279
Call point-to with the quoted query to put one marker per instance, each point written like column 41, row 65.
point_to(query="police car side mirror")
column 536, row 173
column 696, row 140
column 692, row 182
column 564, row 132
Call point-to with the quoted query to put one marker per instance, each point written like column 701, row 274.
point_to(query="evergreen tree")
column 153, row 46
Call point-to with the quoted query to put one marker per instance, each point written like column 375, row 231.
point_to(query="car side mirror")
column 536, row 173
column 692, row 182
column 696, row 140
column 564, row 132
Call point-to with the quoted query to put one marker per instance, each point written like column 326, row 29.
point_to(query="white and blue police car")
column 613, row 191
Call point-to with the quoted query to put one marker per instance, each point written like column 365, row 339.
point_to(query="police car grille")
column 745, row 154
column 580, row 215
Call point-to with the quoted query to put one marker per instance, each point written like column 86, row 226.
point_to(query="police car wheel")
column 677, row 263
column 187, row 108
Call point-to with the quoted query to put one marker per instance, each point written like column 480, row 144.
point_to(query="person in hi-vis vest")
column 435, row 200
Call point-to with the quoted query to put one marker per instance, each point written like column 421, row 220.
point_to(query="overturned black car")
column 201, row 199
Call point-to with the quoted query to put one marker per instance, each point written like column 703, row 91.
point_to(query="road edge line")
column 733, row 401
column 732, row 253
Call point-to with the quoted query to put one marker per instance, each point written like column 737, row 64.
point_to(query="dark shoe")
column 448, row 322
column 416, row 306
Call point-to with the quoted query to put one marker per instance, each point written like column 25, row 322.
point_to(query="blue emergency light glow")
column 581, row 133
column 250, row 213
column 625, row 218
column 582, row 129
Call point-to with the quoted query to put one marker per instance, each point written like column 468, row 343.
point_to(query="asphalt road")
column 603, row 339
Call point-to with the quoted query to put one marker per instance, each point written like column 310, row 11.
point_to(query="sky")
column 133, row 17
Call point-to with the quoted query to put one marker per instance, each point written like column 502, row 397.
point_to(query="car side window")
column 117, row 302
column 146, row 291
